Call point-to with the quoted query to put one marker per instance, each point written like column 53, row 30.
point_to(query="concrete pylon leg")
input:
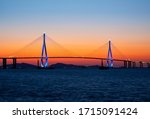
column 4, row 63
column 38, row 64
column 148, row 65
column 134, row 64
column 14, row 63
column 129, row 64
column 102, row 64
column 141, row 64
column 125, row 64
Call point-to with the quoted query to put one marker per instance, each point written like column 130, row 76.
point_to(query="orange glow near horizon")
column 130, row 47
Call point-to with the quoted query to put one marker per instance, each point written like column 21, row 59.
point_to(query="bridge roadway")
column 127, row 63
column 61, row 57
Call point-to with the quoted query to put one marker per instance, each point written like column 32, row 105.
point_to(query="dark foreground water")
column 75, row 85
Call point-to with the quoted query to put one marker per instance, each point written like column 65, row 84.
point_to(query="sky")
column 81, row 26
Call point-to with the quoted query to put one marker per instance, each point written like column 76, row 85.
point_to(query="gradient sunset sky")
column 79, row 25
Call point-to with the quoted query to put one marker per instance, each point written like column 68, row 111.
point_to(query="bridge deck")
column 96, row 58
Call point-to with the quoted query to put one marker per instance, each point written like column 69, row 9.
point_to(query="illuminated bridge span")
column 44, row 59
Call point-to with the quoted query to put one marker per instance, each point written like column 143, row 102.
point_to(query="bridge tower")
column 109, row 61
column 44, row 56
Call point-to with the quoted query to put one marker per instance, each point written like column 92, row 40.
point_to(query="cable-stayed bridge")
column 43, row 60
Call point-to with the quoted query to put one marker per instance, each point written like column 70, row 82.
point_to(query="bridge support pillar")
column 14, row 63
column 38, row 64
column 102, row 64
column 125, row 64
column 4, row 63
column 129, row 64
column 148, row 65
column 141, row 64
column 134, row 64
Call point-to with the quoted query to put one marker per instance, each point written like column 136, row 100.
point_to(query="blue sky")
column 74, row 21
column 74, row 10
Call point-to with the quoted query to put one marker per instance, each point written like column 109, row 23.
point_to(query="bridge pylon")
column 44, row 56
column 109, row 61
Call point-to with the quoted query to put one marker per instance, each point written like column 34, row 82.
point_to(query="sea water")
column 74, row 85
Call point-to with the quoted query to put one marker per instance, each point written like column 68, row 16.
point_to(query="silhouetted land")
column 53, row 66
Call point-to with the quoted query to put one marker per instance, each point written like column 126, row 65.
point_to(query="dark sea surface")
column 75, row 85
